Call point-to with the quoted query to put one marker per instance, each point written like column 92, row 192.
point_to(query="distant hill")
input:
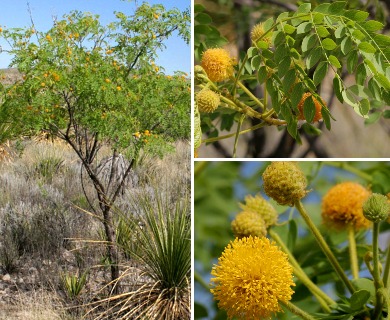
column 9, row 76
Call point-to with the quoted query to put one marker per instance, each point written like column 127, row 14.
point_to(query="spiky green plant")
column 74, row 283
column 163, row 255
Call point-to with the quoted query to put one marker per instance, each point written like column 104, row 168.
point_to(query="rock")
column 68, row 256
column 7, row 278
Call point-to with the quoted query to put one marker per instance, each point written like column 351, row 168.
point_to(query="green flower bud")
column 376, row 208
column 248, row 223
column 262, row 207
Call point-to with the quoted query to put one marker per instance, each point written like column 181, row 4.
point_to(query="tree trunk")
column 111, row 248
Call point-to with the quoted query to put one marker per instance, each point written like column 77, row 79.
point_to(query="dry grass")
column 40, row 193
column 35, row 305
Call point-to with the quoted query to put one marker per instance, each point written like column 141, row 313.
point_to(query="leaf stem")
column 353, row 252
column 237, row 134
column 376, row 274
column 199, row 279
column 324, row 246
column 250, row 94
column 386, row 271
column 346, row 166
column 296, row 310
column 199, row 166
column 260, row 125
column 324, row 299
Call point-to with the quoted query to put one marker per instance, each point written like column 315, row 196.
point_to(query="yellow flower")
column 218, row 64
column 107, row 80
column 262, row 207
column 258, row 31
column 251, row 277
column 48, row 37
column 248, row 223
column 56, row 77
column 119, row 88
column 156, row 16
column 342, row 205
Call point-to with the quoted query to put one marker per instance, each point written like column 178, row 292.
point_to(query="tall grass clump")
column 163, row 257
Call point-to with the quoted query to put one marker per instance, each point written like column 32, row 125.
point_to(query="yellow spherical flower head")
column 248, row 223
column 207, row 100
column 342, row 206
column 258, row 32
column 262, row 207
column 284, row 182
column 251, row 277
column 218, row 64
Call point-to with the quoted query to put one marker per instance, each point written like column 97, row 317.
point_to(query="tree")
column 93, row 85
column 284, row 67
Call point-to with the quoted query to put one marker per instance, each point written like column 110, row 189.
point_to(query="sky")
column 14, row 13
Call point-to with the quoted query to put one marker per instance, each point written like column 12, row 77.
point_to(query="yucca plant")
column 163, row 256
column 74, row 283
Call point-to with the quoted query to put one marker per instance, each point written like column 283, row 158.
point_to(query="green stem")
column 260, row 125
column 352, row 252
column 346, row 166
column 199, row 279
column 376, row 274
column 296, row 310
column 386, row 271
column 324, row 246
column 250, row 94
column 199, row 166
column 268, row 113
column 243, row 108
column 238, row 74
column 237, row 134
column 323, row 298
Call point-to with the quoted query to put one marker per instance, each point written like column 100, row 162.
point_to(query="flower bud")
column 207, row 100
column 262, row 207
column 285, row 182
column 247, row 224
column 376, row 208
column 258, row 32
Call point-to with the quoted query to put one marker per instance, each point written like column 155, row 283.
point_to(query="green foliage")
column 74, row 283
column 82, row 75
column 308, row 45
column 160, row 242
column 205, row 34
column 219, row 186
